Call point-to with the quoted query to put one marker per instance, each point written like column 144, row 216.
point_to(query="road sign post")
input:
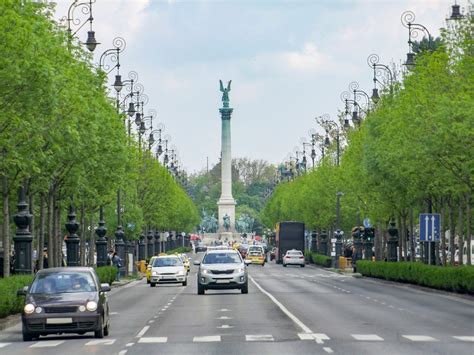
column 430, row 231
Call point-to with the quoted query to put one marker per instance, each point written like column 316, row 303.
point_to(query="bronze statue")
column 225, row 91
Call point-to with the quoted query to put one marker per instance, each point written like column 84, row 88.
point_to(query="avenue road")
column 287, row 311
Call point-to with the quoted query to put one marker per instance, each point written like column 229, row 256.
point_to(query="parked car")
column 222, row 269
column 293, row 257
column 65, row 300
column 168, row 269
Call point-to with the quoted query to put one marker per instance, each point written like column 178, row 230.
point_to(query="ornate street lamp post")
column 141, row 247
column 379, row 71
column 326, row 122
column 119, row 45
column 23, row 238
column 150, row 244
column 392, row 242
column 86, row 9
column 407, row 19
column 323, row 240
column 72, row 241
column 101, row 242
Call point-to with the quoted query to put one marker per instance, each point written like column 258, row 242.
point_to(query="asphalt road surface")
column 287, row 311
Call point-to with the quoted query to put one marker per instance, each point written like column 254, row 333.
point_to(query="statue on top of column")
column 225, row 95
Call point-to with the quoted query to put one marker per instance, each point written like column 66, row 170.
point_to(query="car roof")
column 168, row 256
column 66, row 269
column 220, row 251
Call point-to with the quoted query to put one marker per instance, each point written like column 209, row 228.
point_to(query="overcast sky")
column 289, row 61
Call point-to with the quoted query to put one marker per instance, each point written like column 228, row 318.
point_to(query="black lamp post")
column 379, row 70
column 314, row 241
column 150, row 244
column 392, row 242
column 357, row 233
column 323, row 240
column 141, row 247
column 23, row 238
column 119, row 236
column 72, row 241
column 158, row 248
column 86, row 9
column 407, row 19
column 101, row 242
column 329, row 125
column 119, row 45
column 456, row 12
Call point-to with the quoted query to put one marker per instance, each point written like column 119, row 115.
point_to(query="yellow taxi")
column 148, row 269
column 256, row 257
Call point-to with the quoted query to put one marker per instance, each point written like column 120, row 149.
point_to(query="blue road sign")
column 430, row 227
column 367, row 223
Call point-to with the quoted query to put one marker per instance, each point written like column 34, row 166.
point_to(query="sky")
column 289, row 62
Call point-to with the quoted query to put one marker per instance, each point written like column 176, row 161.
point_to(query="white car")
column 168, row 269
column 293, row 257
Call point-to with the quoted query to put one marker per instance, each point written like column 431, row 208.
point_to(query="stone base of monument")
column 229, row 236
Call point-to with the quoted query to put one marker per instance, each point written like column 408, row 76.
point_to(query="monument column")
column 226, row 202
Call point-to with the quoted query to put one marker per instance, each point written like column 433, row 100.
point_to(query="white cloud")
column 308, row 59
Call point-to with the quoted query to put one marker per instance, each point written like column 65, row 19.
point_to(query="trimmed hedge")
column 458, row 279
column 318, row 259
column 11, row 303
column 179, row 250
column 106, row 274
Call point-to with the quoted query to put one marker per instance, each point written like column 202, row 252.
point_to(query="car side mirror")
column 22, row 292
column 196, row 262
column 247, row 262
column 105, row 288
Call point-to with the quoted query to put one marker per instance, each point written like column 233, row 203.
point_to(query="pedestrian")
column 109, row 257
column 117, row 262
column 45, row 258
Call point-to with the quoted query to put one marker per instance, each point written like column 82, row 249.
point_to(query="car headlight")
column 29, row 308
column 241, row 270
column 38, row 310
column 82, row 308
column 205, row 271
column 154, row 273
column 91, row 306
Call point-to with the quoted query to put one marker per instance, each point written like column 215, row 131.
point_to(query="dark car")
column 200, row 247
column 65, row 300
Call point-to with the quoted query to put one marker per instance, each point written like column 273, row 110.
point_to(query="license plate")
column 58, row 320
column 222, row 281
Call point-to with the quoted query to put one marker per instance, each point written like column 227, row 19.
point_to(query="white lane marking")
column 290, row 315
column 169, row 304
column 163, row 309
column 319, row 337
column 391, row 306
column 259, row 338
column 224, row 310
column 113, row 313
column 367, row 337
column 465, row 338
column 130, row 344
column 419, row 338
column 153, row 340
column 47, row 344
column 225, row 326
column 207, row 339
column 2, row 345
column 143, row 331
column 151, row 321
column 123, row 352
column 328, row 350
column 100, row 342
column 225, row 318
column 384, row 303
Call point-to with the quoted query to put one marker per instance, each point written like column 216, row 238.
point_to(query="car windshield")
column 222, row 258
column 164, row 262
column 63, row 282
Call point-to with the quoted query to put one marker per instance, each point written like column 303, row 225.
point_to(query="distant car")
column 65, row 300
column 168, row 269
column 273, row 253
column 222, row 269
column 293, row 257
column 256, row 256
column 148, row 269
column 200, row 247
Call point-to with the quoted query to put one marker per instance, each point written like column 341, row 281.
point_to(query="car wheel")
column 107, row 329
column 99, row 333
column 152, row 284
column 147, row 281
column 201, row 289
column 263, row 264
column 284, row 265
column 185, row 283
column 302, row 265
column 245, row 288
column 27, row 336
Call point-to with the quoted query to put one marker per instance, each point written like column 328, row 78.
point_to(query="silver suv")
column 222, row 269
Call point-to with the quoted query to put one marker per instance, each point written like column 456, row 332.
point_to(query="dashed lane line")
column 2, row 345
column 367, row 337
column 207, row 339
column 47, row 344
column 419, row 338
column 100, row 342
column 465, row 338
column 259, row 338
column 328, row 350
column 153, row 340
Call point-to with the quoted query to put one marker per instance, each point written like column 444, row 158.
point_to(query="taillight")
column 301, row 257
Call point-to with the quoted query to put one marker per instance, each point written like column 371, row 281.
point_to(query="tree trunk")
column 59, row 235
column 41, row 232
column 400, row 238
column 461, row 231
column 443, row 234
column 412, row 240
column 452, row 232
column 56, row 250
column 6, row 228
column 82, row 245
column 51, row 248
column 404, row 237
column 378, row 242
column 468, row 229
column 31, row 201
